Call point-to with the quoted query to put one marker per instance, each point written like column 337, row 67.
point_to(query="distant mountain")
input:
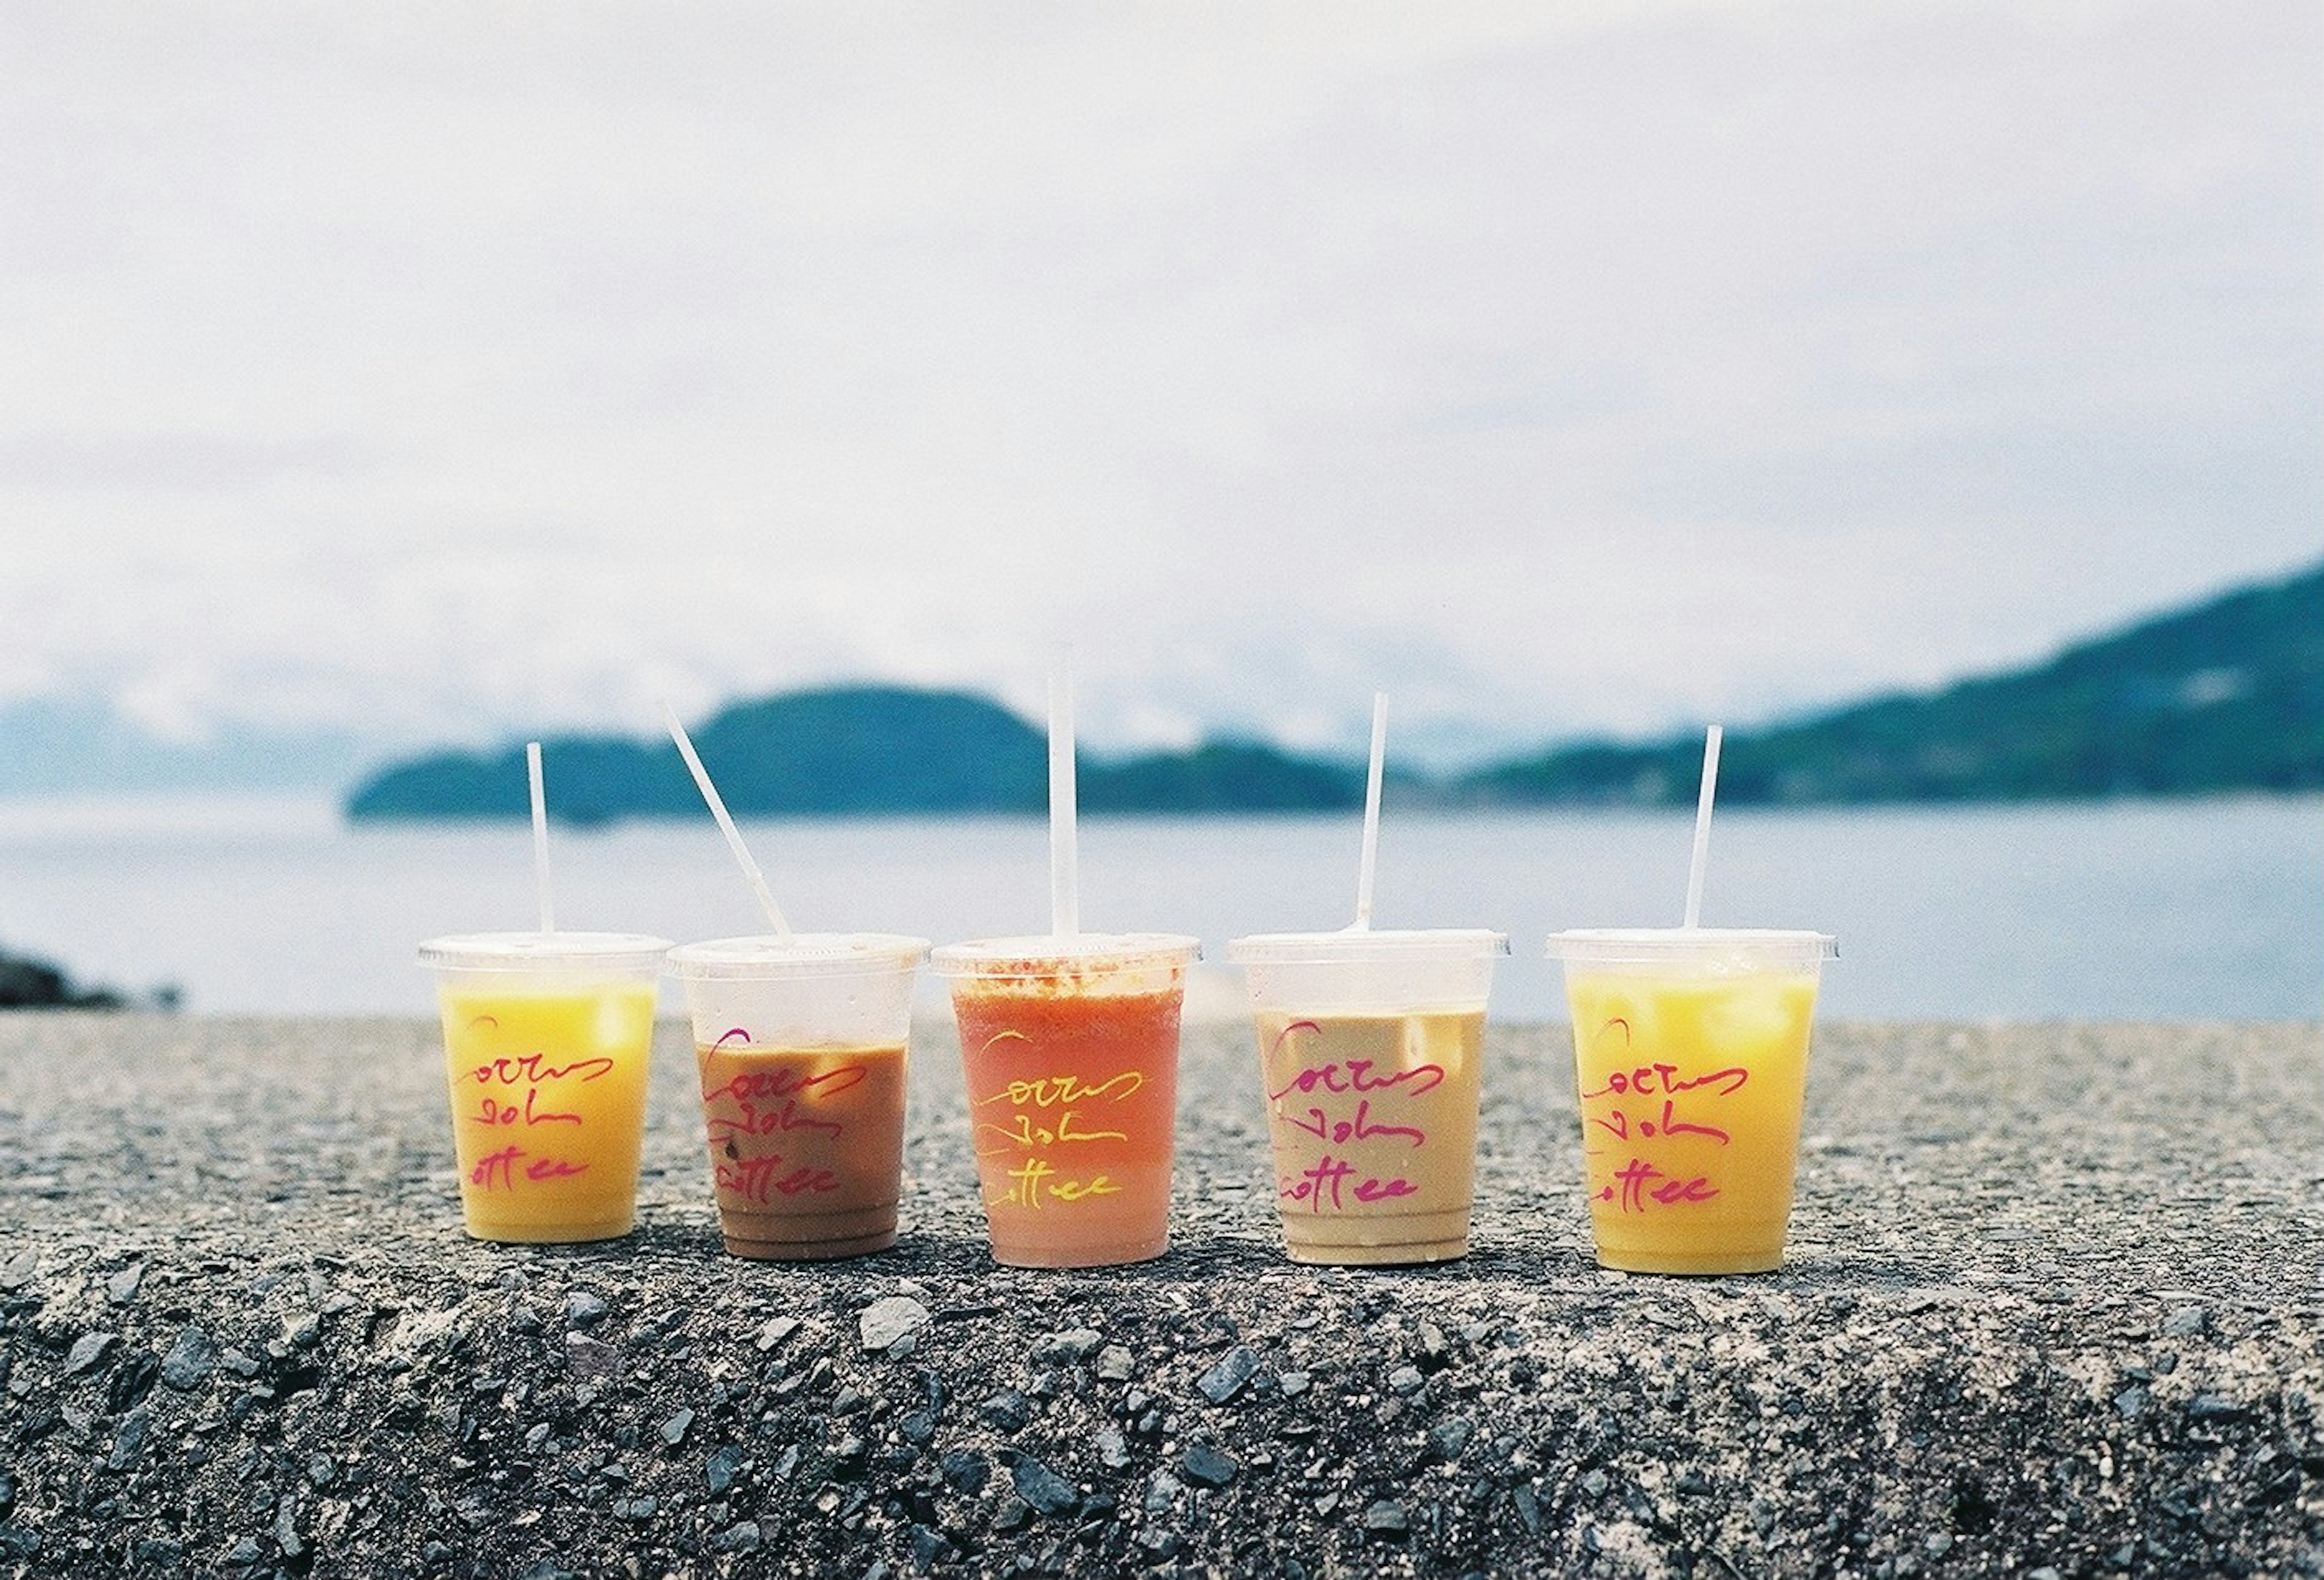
column 862, row 749
column 845, row 749
column 1232, row 775
column 2226, row 695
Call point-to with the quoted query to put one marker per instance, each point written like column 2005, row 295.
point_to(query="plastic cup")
column 1690, row 1049
column 1371, row 1045
column 799, row 1045
column 546, row 1036
column 1070, row 1046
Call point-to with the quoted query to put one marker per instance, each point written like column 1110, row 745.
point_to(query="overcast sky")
column 467, row 370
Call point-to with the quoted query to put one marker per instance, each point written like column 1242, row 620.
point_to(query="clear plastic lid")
column 1268, row 949
column 1752, row 947
column 545, row 951
column 802, row 954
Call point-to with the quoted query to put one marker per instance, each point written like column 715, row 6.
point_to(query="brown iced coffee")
column 806, row 1147
column 799, row 1042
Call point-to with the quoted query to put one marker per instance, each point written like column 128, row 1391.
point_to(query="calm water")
column 2144, row 910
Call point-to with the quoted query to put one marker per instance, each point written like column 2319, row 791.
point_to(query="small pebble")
column 129, row 1442
column 886, row 1322
column 723, row 1466
column 1076, row 1344
column 741, row 1536
column 1112, row 1448
column 1009, row 1410
column 1448, row 1438
column 88, row 1350
column 1043, row 1489
column 1207, row 1467
column 1232, row 1374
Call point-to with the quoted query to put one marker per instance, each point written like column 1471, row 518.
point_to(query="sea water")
column 2194, row 909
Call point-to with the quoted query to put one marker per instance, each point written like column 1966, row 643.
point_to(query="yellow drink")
column 1691, row 1095
column 548, row 1098
column 1692, row 1070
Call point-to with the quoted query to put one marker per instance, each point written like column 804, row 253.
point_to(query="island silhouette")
column 2227, row 694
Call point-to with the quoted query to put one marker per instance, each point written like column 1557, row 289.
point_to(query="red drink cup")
column 1070, row 1046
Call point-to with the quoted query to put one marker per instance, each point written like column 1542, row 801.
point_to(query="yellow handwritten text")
column 1031, row 1182
column 1026, row 1133
column 1057, row 1091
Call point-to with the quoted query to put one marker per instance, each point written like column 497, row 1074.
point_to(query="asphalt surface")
column 2055, row 1302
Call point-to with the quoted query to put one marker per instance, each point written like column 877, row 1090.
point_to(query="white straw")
column 1065, row 878
column 758, row 879
column 1702, row 827
column 1365, row 869
column 540, row 836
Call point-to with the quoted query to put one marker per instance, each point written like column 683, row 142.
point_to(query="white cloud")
column 456, row 369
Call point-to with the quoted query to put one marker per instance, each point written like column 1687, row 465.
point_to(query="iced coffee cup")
column 1690, row 1046
column 547, row 1037
column 1070, row 1046
column 1371, row 1045
column 799, row 1044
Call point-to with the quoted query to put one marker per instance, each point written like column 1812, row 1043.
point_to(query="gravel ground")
column 2055, row 1306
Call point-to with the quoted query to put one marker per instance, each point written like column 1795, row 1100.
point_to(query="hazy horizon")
column 91, row 751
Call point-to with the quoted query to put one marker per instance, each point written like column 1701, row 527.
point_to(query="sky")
column 459, row 371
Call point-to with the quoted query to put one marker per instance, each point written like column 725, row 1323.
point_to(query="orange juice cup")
column 1070, row 1046
column 1371, row 1047
column 1691, row 1047
column 799, row 1045
column 547, row 1037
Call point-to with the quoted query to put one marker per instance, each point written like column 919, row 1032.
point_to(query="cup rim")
column 536, row 952
column 802, row 954
column 1354, row 946
column 1679, row 943
column 1041, row 953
